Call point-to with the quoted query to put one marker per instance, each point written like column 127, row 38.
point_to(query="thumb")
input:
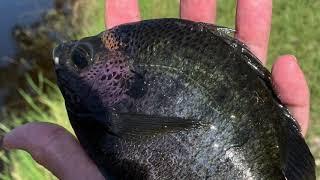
column 55, row 148
column 292, row 88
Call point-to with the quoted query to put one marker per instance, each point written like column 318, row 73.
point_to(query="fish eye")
column 81, row 56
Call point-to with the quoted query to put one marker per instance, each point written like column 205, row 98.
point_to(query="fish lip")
column 57, row 61
column 55, row 57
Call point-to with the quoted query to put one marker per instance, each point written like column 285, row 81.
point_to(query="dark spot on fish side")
column 103, row 77
column 115, row 83
column 118, row 77
column 137, row 86
column 122, row 84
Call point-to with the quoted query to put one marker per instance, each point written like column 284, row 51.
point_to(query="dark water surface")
column 12, row 13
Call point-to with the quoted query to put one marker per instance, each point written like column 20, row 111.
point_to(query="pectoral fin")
column 140, row 124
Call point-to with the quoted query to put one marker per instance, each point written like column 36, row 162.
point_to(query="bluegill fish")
column 176, row 99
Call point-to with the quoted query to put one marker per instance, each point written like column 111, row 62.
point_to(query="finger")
column 121, row 11
column 196, row 10
column 253, row 23
column 54, row 148
column 292, row 88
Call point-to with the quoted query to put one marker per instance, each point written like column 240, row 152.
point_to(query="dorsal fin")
column 224, row 34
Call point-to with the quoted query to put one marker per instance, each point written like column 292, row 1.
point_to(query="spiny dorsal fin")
column 224, row 33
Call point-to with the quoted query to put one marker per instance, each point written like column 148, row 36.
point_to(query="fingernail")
column 292, row 57
column 288, row 57
column 292, row 61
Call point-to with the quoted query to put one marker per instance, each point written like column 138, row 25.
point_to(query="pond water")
column 12, row 13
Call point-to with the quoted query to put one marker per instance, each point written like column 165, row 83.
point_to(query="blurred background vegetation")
column 295, row 30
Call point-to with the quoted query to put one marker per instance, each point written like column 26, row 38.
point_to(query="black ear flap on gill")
column 137, row 85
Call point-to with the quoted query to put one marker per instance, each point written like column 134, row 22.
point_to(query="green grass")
column 295, row 30
column 48, row 106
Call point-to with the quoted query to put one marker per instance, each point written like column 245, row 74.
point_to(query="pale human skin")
column 59, row 151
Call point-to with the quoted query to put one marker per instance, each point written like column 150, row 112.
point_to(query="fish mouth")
column 55, row 58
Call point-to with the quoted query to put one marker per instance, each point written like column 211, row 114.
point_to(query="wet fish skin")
column 175, row 99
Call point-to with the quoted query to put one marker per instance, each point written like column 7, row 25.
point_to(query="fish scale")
column 184, row 101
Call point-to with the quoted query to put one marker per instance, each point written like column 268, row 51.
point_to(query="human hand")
column 59, row 151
